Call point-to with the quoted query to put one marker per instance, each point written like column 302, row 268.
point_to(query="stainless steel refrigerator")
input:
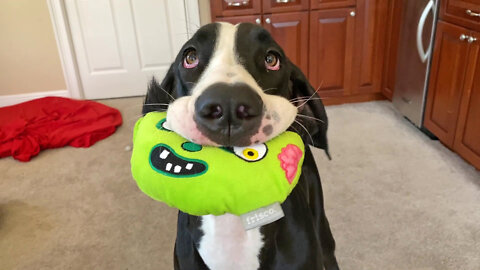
column 414, row 57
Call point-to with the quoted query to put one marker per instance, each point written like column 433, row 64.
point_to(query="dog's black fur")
column 302, row 239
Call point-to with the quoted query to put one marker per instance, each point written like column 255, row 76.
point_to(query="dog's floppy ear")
column 163, row 93
column 311, row 112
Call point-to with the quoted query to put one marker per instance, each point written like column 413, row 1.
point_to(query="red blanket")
column 51, row 122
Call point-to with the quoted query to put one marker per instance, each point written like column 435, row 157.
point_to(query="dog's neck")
column 226, row 245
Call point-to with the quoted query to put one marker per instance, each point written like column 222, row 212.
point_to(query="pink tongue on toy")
column 289, row 158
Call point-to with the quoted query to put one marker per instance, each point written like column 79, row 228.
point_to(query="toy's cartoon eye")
column 162, row 125
column 251, row 153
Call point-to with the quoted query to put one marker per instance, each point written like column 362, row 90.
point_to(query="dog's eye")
column 191, row 59
column 251, row 153
column 272, row 62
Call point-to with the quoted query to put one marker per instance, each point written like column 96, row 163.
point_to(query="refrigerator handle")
column 421, row 23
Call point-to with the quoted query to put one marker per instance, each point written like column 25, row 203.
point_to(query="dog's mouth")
column 165, row 161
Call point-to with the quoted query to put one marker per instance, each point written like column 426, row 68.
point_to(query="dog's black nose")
column 229, row 114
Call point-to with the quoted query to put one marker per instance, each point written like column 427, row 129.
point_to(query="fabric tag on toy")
column 262, row 216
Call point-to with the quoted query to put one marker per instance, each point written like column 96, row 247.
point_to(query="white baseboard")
column 15, row 99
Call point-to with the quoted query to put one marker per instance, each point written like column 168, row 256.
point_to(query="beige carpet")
column 395, row 199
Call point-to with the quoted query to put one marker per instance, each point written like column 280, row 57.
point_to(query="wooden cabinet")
column 331, row 50
column 324, row 4
column 394, row 16
column 290, row 31
column 369, row 46
column 467, row 137
column 347, row 51
column 338, row 44
column 272, row 6
column 446, row 81
column 462, row 12
column 453, row 101
column 221, row 8
column 452, row 110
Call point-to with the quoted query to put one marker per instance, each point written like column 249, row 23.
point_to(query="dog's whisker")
column 310, row 117
column 300, row 98
column 303, row 100
column 307, row 100
column 294, row 103
column 314, row 93
column 311, row 99
column 167, row 93
column 296, row 130
column 306, row 130
column 156, row 104
column 304, row 97
column 273, row 88
column 319, row 86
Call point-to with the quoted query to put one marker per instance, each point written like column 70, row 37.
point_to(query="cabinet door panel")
column 369, row 43
column 225, row 8
column 446, row 82
column 467, row 138
column 391, row 47
column 316, row 4
column 290, row 31
column 271, row 6
column 462, row 12
column 331, row 49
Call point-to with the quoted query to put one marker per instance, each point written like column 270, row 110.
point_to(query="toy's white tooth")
column 189, row 166
column 164, row 154
column 169, row 167
column 177, row 169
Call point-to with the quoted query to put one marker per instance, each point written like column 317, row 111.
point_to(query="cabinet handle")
column 406, row 100
column 284, row 1
column 258, row 21
column 471, row 13
column 463, row 37
column 472, row 39
column 238, row 4
column 352, row 13
column 268, row 20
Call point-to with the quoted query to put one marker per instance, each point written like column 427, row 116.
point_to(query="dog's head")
column 232, row 85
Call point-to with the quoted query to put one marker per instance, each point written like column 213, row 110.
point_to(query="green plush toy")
column 203, row 180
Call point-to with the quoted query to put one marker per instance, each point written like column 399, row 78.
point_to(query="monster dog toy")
column 203, row 180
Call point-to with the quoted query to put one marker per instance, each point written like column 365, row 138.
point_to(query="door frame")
column 66, row 50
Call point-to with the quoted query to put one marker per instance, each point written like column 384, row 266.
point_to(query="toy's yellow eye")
column 251, row 153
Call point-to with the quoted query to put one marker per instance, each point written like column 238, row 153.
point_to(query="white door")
column 120, row 44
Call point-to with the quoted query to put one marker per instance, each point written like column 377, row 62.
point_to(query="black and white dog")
column 232, row 85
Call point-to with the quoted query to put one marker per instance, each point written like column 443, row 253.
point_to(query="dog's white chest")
column 226, row 245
